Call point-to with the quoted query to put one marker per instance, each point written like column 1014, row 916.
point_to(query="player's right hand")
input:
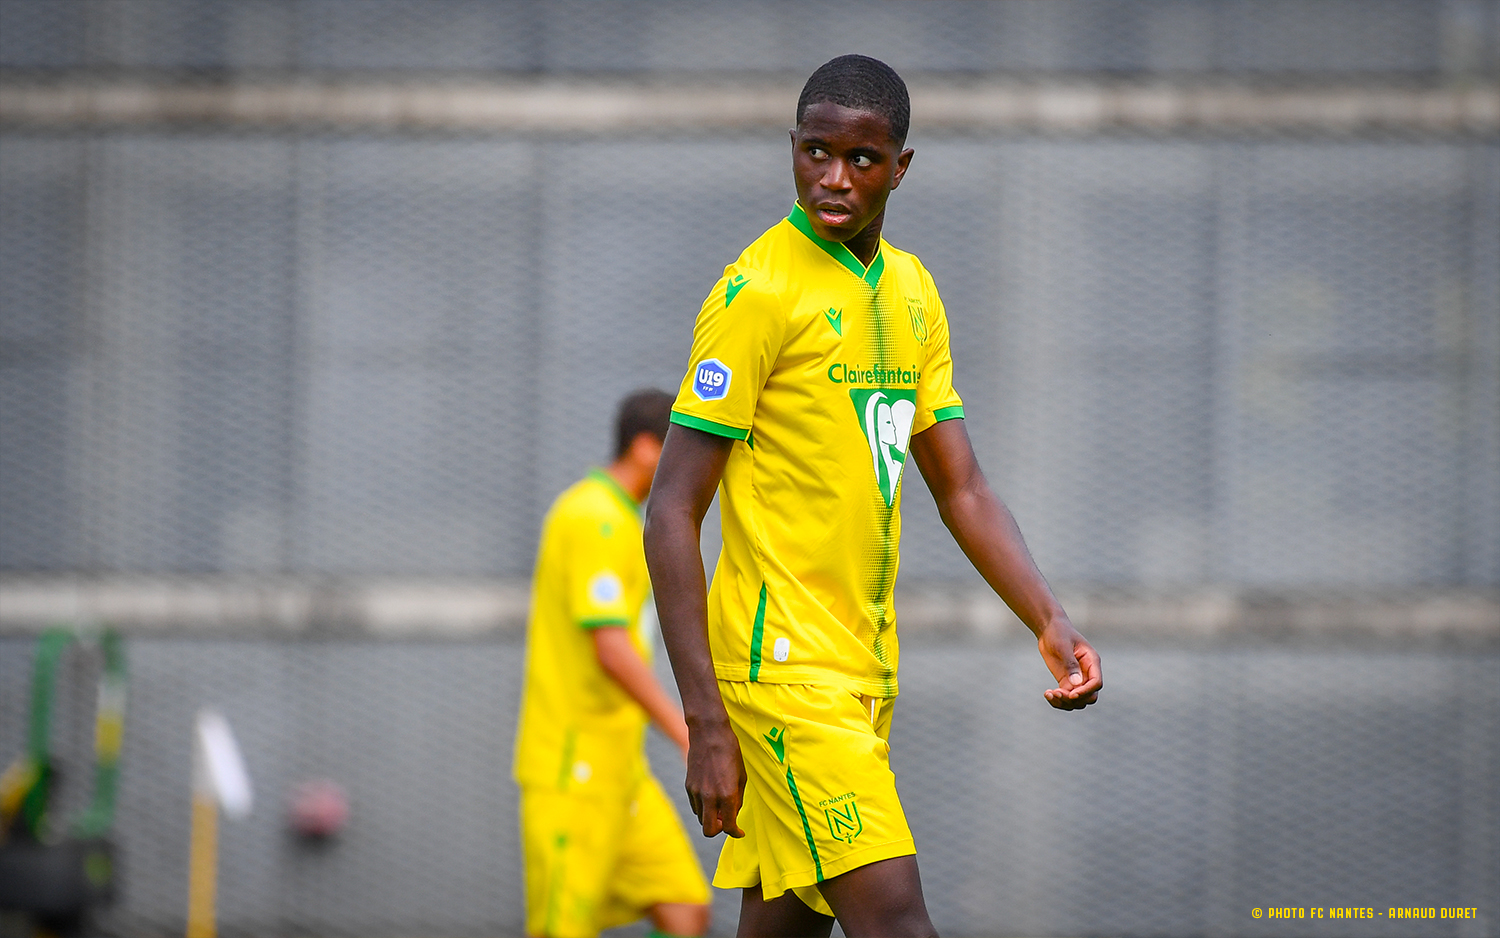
column 1075, row 664
column 715, row 778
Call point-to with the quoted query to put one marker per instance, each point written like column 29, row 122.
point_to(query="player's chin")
column 850, row 225
column 838, row 235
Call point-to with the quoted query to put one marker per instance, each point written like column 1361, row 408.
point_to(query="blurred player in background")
column 820, row 362
column 603, row 845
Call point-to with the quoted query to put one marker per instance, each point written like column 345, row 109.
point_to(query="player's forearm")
column 982, row 525
column 678, row 581
column 627, row 668
column 692, row 462
column 987, row 532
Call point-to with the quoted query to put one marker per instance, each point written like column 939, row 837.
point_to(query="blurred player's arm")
column 619, row 659
column 691, row 464
column 985, row 529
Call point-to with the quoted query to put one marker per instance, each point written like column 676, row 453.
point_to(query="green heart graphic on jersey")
column 885, row 416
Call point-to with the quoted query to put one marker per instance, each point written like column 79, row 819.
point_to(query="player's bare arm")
column 691, row 464
column 625, row 666
column 985, row 529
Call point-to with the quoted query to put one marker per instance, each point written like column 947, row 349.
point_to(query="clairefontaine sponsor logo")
column 876, row 374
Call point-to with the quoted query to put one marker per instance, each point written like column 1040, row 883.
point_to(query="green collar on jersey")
column 838, row 251
column 608, row 481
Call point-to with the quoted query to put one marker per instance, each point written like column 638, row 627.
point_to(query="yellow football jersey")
column 579, row 730
column 822, row 369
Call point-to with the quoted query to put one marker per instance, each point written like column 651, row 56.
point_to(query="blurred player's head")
column 643, row 413
column 640, row 428
column 847, row 148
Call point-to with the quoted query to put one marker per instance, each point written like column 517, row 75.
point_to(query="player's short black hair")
column 863, row 83
column 648, row 410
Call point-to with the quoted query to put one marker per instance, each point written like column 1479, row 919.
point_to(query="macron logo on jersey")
column 711, row 380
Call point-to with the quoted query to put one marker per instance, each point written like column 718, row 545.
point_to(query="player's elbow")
column 968, row 508
column 666, row 518
column 957, row 503
column 609, row 664
column 611, row 644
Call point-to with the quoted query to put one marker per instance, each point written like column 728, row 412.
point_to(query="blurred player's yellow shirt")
column 579, row 730
column 823, row 369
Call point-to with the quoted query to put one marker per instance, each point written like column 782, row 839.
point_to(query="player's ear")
column 902, row 162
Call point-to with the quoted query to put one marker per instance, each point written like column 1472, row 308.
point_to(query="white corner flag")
column 220, row 782
column 224, row 768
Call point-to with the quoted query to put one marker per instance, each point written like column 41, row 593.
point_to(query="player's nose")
column 836, row 176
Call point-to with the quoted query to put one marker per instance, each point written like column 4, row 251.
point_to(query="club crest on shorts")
column 711, row 380
column 843, row 818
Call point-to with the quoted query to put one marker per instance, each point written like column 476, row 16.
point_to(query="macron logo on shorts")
column 711, row 380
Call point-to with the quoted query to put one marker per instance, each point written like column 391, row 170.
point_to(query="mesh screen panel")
column 1214, row 781
column 1396, row 38
column 1202, row 360
column 1268, row 364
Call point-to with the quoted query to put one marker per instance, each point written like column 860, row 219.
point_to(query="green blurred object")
column 54, row 871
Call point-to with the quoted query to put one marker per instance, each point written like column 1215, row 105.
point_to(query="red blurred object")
column 319, row 809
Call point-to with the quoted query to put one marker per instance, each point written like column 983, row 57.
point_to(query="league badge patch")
column 711, row 380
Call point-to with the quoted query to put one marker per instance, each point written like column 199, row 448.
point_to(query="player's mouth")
column 834, row 215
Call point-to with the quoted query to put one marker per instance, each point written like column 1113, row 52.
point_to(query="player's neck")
column 634, row 479
column 866, row 244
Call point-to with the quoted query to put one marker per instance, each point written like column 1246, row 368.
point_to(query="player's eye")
column 816, row 153
column 862, row 161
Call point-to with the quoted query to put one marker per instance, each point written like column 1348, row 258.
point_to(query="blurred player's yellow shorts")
column 820, row 798
column 599, row 861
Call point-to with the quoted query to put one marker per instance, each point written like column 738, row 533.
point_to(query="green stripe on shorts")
column 806, row 827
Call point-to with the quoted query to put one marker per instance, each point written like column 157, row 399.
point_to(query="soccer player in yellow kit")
column 820, row 362
column 602, row 843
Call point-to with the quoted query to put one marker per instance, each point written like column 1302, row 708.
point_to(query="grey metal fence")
column 1394, row 38
column 1261, row 363
column 1265, row 362
column 1216, row 780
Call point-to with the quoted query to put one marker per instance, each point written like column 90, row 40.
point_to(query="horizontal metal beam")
column 376, row 607
column 550, row 107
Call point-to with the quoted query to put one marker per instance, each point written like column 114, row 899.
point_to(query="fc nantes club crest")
column 885, row 416
column 843, row 817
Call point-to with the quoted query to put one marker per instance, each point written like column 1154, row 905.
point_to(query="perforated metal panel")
column 1213, row 781
column 1401, row 38
column 1267, row 364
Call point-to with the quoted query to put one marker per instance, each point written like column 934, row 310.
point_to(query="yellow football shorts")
column 820, row 798
column 600, row 861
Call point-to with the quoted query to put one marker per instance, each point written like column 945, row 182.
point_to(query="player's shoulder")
column 587, row 503
column 905, row 261
column 759, row 276
column 907, row 267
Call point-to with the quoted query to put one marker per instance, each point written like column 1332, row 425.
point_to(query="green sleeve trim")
column 599, row 622
column 708, row 426
column 955, row 412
